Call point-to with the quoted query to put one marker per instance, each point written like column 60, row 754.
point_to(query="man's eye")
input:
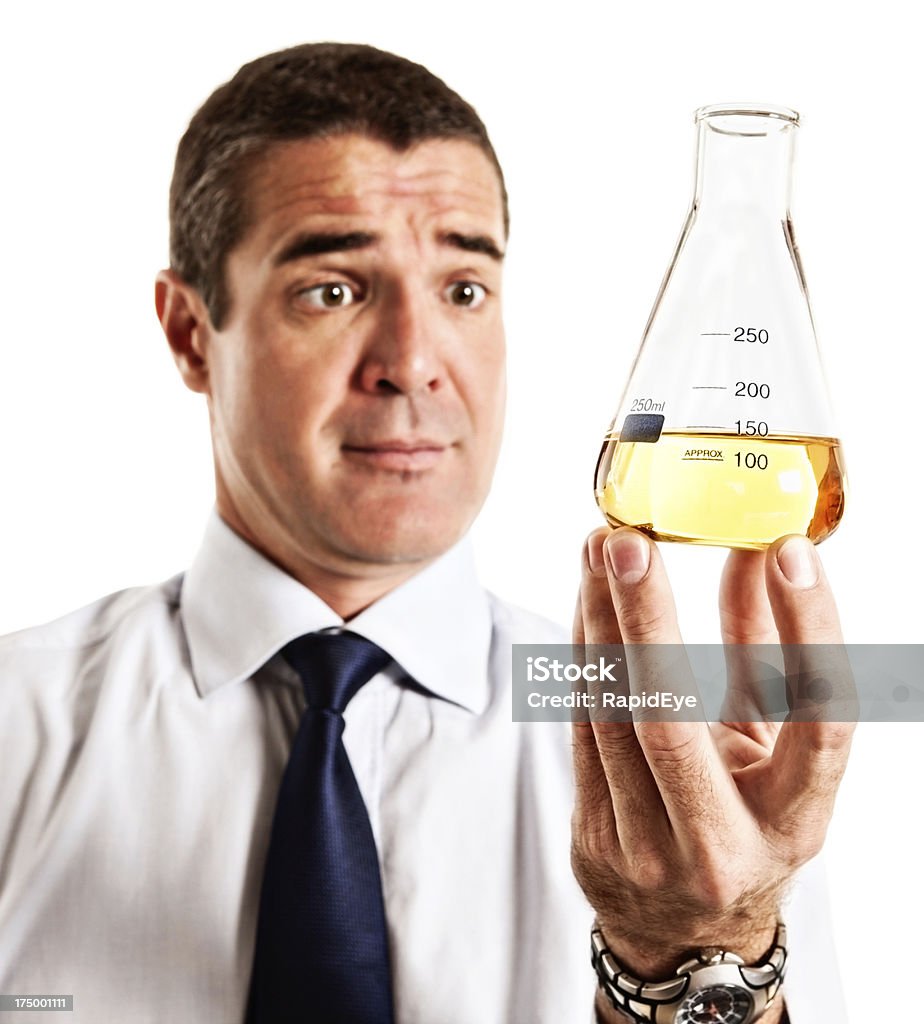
column 466, row 293
column 328, row 296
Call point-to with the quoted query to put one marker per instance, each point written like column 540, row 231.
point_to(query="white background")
column 105, row 458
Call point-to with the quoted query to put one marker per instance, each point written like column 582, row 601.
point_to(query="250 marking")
column 751, row 335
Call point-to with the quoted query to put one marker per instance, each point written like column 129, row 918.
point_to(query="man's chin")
column 397, row 548
column 409, row 536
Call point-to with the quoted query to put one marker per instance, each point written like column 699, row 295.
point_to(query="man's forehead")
column 355, row 175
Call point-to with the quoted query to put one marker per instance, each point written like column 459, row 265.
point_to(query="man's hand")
column 686, row 836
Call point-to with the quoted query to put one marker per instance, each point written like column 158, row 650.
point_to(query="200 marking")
column 751, row 389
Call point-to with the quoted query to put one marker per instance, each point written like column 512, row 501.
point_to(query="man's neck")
column 347, row 590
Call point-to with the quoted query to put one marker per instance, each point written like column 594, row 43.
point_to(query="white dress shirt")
column 142, row 742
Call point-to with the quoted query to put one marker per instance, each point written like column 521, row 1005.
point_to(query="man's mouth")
column 397, row 455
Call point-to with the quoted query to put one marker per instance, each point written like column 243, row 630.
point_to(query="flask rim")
column 741, row 109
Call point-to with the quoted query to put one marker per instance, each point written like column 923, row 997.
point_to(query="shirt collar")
column 239, row 609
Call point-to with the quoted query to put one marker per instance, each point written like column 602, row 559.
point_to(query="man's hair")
column 316, row 90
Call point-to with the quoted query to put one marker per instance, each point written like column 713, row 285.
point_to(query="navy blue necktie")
column 322, row 949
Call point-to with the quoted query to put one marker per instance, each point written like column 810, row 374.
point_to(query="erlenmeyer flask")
column 724, row 434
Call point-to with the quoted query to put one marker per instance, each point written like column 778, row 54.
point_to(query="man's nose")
column 403, row 352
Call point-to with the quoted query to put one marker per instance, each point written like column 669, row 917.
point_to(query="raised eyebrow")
column 320, row 242
column 472, row 243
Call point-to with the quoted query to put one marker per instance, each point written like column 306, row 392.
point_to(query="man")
column 338, row 220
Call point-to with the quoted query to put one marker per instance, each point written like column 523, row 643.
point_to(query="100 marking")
column 752, row 460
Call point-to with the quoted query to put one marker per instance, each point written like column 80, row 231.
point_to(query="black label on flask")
column 642, row 427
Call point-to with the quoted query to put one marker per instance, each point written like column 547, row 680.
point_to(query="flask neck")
column 744, row 162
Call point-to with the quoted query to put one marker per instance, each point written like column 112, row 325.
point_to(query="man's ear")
column 185, row 321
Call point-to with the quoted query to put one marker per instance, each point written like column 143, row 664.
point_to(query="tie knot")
column 333, row 666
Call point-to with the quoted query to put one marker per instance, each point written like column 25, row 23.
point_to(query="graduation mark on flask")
column 751, row 460
column 751, row 389
column 752, row 335
column 749, row 335
column 646, row 405
column 752, row 428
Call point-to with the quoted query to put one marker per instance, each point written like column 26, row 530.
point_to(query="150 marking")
column 753, row 428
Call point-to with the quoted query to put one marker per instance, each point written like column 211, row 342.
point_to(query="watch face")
column 719, row 1004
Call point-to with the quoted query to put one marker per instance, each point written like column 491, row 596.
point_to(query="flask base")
column 724, row 490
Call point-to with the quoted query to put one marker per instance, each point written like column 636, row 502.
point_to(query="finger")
column 640, row 591
column 577, row 629
column 594, row 824
column 610, row 747
column 693, row 784
column 753, row 661
column 802, row 602
column 817, row 670
column 810, row 755
column 744, row 607
column 600, row 625
column 592, row 803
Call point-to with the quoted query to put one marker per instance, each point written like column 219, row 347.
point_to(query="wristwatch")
column 714, row 987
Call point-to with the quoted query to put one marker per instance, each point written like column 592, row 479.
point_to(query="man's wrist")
column 748, row 932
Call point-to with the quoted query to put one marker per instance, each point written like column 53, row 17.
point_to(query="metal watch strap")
column 640, row 1000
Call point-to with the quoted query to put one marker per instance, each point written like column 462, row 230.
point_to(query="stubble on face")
column 359, row 439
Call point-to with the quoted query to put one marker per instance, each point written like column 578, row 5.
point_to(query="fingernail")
column 629, row 556
column 798, row 562
column 595, row 554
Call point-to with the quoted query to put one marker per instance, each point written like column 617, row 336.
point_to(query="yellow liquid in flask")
column 723, row 489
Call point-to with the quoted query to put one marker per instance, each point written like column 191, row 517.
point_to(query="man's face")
column 356, row 389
